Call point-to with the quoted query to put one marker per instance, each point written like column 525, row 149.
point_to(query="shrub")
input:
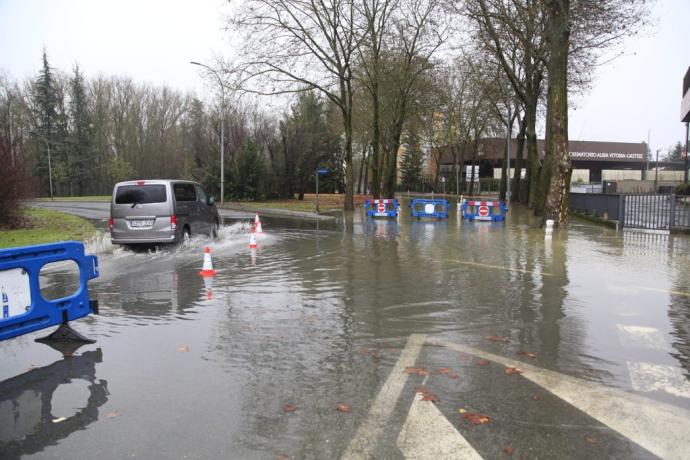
column 14, row 185
column 683, row 189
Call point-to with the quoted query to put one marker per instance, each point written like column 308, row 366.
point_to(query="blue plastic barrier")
column 382, row 208
column 493, row 211
column 429, row 208
column 24, row 309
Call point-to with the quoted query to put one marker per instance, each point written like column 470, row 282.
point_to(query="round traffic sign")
column 483, row 211
column 382, row 206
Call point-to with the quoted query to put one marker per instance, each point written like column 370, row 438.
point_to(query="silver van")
column 160, row 211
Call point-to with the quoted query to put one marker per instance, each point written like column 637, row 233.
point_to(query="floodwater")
column 187, row 367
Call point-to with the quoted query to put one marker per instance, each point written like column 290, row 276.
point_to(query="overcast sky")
column 154, row 40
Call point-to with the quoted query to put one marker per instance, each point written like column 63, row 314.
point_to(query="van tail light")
column 173, row 221
column 110, row 225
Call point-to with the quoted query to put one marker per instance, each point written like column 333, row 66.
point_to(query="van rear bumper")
column 170, row 239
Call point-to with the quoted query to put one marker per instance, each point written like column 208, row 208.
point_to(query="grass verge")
column 44, row 226
column 77, row 198
column 327, row 202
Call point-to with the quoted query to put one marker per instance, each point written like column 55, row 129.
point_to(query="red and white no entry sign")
column 483, row 211
column 382, row 206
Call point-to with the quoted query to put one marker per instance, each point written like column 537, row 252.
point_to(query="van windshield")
column 140, row 194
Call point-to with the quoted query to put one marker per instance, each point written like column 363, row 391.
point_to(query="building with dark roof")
column 594, row 157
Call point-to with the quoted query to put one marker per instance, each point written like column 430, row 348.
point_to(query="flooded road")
column 360, row 313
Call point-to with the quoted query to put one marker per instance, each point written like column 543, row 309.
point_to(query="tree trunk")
column 532, row 154
column 557, row 165
column 362, row 165
column 504, row 174
column 517, row 173
column 349, row 203
column 375, row 142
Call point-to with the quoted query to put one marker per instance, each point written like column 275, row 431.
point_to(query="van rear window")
column 140, row 194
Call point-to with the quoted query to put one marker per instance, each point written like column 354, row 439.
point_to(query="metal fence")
column 607, row 206
column 645, row 211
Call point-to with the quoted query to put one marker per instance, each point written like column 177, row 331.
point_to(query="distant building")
column 592, row 161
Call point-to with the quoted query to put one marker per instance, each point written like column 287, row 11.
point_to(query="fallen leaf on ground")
column 526, row 353
column 343, row 408
column 495, row 338
column 416, row 371
column 443, row 370
column 512, row 370
column 535, row 398
column 476, row 419
column 591, row 439
column 112, row 414
column 282, row 457
column 462, row 411
column 421, row 389
column 453, row 376
column 430, row 397
column 482, row 362
column 58, row 420
column 363, row 351
column 289, row 408
column 508, row 450
column 184, row 349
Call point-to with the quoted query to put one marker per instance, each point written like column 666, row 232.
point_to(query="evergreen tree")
column 45, row 130
column 82, row 161
column 412, row 163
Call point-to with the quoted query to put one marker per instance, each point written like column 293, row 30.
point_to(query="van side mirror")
column 210, row 200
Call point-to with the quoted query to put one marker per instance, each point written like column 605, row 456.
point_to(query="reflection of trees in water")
column 539, row 283
column 679, row 306
column 26, row 404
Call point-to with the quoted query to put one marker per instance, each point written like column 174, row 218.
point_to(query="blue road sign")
column 323, row 171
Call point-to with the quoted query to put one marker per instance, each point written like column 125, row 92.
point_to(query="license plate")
column 141, row 223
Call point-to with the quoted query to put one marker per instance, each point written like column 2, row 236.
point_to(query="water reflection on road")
column 317, row 315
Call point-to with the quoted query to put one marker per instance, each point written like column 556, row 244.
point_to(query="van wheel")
column 186, row 235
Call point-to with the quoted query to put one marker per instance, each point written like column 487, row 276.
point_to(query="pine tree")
column 81, row 158
column 412, row 163
column 44, row 133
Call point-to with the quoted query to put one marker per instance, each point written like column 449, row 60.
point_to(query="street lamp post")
column 222, row 129
column 50, row 168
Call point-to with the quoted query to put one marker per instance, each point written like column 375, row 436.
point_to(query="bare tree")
column 296, row 46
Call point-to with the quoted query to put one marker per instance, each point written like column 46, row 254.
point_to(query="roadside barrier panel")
column 382, row 208
column 490, row 211
column 24, row 309
column 435, row 208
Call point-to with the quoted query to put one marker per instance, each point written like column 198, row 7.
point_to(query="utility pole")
column 687, row 134
column 656, row 176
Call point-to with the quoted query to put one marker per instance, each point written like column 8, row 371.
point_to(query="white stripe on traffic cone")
column 257, row 224
column 207, row 269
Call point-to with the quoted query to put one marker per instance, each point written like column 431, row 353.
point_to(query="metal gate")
column 655, row 212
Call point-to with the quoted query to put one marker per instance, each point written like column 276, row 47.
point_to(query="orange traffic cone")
column 257, row 224
column 252, row 238
column 207, row 269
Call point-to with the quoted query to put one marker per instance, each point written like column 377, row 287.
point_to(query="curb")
column 272, row 212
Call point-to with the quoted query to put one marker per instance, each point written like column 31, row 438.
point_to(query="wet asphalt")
column 321, row 314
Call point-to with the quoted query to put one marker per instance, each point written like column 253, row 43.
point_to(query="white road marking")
column 652, row 377
column 368, row 433
column 660, row 428
column 641, row 337
column 427, row 434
